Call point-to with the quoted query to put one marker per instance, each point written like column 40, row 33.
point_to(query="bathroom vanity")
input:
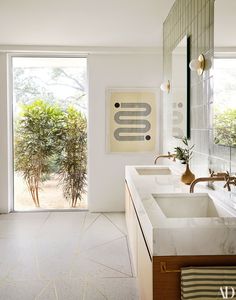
column 169, row 228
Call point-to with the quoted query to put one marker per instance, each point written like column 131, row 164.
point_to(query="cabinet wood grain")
column 166, row 285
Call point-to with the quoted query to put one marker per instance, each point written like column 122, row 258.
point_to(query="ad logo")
column 227, row 292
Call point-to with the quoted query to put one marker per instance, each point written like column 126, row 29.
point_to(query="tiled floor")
column 65, row 256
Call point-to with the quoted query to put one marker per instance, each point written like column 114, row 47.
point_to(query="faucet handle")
column 171, row 155
column 211, row 172
column 229, row 181
column 227, row 184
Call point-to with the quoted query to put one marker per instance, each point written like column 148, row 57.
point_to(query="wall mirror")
column 224, row 107
column 180, row 89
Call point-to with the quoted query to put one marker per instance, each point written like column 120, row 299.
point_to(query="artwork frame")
column 131, row 120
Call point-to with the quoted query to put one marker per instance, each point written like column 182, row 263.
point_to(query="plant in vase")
column 185, row 155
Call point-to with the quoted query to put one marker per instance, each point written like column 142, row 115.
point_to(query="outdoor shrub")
column 49, row 140
column 73, row 159
column 225, row 127
column 36, row 130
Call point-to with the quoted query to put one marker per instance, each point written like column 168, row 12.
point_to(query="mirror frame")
column 188, row 133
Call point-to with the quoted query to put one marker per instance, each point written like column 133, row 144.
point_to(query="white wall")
column 5, row 138
column 106, row 170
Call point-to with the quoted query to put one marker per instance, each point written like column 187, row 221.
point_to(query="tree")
column 29, row 87
column 31, row 84
column 37, row 129
column 73, row 159
column 50, row 140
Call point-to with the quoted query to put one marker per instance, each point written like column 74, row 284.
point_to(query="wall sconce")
column 165, row 86
column 198, row 64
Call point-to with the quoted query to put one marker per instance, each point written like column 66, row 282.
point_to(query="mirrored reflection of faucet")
column 169, row 156
column 221, row 176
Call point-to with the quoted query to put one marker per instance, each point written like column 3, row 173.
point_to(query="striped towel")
column 207, row 283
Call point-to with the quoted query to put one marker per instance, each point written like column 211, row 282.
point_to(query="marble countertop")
column 181, row 236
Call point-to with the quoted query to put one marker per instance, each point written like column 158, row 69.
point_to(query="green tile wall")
column 194, row 18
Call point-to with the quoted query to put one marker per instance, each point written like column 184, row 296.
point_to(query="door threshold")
column 51, row 210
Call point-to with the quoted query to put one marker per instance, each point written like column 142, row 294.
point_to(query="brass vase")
column 188, row 176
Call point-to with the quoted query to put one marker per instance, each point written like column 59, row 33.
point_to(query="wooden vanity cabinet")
column 167, row 282
column 144, row 272
column 142, row 262
column 159, row 276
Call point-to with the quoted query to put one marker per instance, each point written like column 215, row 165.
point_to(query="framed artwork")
column 131, row 120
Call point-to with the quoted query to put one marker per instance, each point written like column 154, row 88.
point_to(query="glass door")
column 50, row 109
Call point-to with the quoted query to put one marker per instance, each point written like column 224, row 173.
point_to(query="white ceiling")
column 109, row 23
column 225, row 23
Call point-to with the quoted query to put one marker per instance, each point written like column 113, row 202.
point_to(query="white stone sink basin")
column 189, row 206
column 153, row 170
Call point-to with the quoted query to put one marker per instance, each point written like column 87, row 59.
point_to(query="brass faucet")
column 169, row 155
column 222, row 176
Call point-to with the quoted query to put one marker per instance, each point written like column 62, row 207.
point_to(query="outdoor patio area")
column 50, row 194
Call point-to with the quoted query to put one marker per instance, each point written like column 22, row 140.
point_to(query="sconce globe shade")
column 198, row 65
column 194, row 65
column 165, row 86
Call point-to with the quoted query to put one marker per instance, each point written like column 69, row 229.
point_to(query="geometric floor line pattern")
column 118, row 221
column 113, row 254
column 84, row 251
column 101, row 231
column 95, row 269
column 89, row 220
column 119, row 274
column 65, row 256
